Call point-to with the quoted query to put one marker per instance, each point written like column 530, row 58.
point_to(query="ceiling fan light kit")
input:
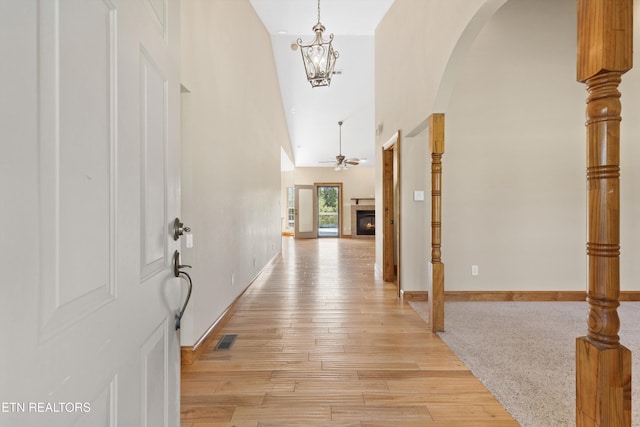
column 319, row 56
column 342, row 162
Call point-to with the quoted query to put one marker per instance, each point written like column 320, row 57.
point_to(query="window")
column 290, row 207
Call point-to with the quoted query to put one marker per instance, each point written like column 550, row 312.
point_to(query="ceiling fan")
column 342, row 162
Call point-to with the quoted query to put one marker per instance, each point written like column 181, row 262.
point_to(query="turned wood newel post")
column 436, row 209
column 603, row 366
column 603, row 231
column 436, row 289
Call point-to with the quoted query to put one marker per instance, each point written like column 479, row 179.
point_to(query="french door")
column 306, row 207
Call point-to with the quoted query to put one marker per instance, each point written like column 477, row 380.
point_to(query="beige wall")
column 514, row 183
column 357, row 181
column 630, row 169
column 515, row 189
column 232, row 129
column 415, row 43
column 415, row 226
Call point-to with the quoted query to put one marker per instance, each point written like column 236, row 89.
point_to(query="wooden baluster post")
column 603, row 365
column 436, row 289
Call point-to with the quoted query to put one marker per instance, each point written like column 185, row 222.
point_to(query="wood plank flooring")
column 322, row 342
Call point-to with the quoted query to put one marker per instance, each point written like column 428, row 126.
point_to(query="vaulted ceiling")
column 312, row 114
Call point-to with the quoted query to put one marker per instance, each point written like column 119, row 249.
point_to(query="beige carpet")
column 524, row 353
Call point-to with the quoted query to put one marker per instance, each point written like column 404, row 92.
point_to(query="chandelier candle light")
column 319, row 57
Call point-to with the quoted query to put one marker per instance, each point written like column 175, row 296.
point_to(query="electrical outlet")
column 474, row 270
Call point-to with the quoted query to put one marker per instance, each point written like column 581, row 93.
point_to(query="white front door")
column 89, row 128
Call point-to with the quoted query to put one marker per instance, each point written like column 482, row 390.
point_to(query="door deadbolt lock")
column 179, row 229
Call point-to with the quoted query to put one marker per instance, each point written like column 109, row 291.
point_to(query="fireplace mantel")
column 357, row 199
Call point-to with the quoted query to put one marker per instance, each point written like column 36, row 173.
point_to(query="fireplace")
column 363, row 219
column 366, row 222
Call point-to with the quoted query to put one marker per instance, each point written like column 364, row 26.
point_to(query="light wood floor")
column 322, row 342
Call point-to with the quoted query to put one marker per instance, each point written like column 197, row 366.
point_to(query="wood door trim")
column 340, row 207
column 387, row 215
column 391, row 142
column 390, row 149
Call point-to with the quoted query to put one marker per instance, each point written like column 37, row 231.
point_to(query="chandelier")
column 319, row 57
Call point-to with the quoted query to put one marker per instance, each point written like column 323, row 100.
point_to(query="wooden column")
column 603, row 365
column 436, row 289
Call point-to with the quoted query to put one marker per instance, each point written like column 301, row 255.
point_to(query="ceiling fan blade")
column 353, row 161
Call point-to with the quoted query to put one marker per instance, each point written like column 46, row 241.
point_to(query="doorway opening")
column 329, row 217
column 391, row 211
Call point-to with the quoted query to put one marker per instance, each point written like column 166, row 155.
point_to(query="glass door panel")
column 328, row 211
column 305, row 218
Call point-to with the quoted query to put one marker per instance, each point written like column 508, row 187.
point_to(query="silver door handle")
column 177, row 271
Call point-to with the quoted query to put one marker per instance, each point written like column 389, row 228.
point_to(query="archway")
column 523, row 178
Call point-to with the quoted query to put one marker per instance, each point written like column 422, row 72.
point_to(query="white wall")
column 232, row 129
column 357, row 181
column 514, row 191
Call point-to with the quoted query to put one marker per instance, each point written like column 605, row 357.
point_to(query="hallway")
column 321, row 341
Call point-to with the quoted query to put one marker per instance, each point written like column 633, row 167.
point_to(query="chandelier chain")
column 318, row 10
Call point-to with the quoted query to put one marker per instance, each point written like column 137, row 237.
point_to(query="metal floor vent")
column 226, row 342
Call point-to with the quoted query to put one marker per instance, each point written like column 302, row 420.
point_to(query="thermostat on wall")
column 418, row 195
